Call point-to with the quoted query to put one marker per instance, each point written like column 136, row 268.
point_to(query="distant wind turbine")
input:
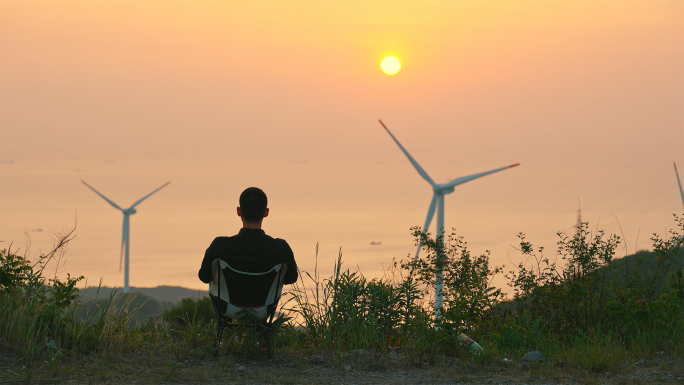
column 680, row 190
column 438, row 200
column 125, row 241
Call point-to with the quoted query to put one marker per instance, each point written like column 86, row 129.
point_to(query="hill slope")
column 172, row 294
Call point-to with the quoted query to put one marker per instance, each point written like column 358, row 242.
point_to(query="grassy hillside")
column 646, row 262
column 587, row 314
column 137, row 307
column 140, row 303
column 172, row 294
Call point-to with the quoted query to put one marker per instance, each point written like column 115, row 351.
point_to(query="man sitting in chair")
column 247, row 268
column 250, row 250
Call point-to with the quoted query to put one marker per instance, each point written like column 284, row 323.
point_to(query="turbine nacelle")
column 442, row 189
column 130, row 211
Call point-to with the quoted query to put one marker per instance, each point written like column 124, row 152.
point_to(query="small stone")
column 187, row 362
column 241, row 369
column 316, row 359
column 348, row 368
column 148, row 347
column 660, row 353
column 535, row 355
column 291, row 364
column 573, row 379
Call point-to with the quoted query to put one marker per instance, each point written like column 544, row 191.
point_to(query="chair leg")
column 219, row 334
column 268, row 344
column 220, row 322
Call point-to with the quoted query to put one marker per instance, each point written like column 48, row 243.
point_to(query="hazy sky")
column 587, row 95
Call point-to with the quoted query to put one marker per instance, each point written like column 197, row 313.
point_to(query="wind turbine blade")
column 468, row 178
column 431, row 212
column 148, row 195
column 410, row 158
column 103, row 197
column 678, row 182
column 428, row 220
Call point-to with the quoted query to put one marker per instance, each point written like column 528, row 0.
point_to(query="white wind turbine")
column 680, row 189
column 438, row 200
column 125, row 242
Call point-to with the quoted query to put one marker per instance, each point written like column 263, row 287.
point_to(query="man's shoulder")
column 262, row 237
column 222, row 241
column 279, row 241
column 224, row 238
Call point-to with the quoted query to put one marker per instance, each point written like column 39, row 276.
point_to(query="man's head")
column 253, row 206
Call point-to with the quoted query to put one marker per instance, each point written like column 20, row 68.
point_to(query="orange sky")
column 169, row 76
column 587, row 95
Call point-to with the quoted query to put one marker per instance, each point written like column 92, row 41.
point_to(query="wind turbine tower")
column 439, row 191
column 125, row 240
column 679, row 182
column 578, row 226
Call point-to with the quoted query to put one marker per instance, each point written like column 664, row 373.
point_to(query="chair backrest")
column 239, row 291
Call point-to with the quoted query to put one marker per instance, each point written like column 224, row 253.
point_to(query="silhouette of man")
column 250, row 250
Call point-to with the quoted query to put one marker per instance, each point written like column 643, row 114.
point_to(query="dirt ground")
column 298, row 368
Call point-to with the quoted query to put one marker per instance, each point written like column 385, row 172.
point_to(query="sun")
column 390, row 65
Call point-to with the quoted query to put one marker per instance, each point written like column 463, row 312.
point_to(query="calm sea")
column 365, row 208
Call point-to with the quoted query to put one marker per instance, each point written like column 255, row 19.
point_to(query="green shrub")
column 40, row 318
column 638, row 307
column 347, row 311
column 468, row 296
column 568, row 298
column 14, row 270
column 190, row 311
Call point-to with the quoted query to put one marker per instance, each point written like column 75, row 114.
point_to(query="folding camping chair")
column 234, row 293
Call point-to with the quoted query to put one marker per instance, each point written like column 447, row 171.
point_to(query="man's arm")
column 291, row 273
column 205, row 273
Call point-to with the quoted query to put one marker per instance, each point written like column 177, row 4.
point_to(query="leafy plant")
column 565, row 298
column 347, row 311
column 468, row 296
column 190, row 311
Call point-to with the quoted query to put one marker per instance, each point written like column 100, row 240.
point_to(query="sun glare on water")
column 390, row 65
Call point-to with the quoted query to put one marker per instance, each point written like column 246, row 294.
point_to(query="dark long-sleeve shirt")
column 251, row 250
